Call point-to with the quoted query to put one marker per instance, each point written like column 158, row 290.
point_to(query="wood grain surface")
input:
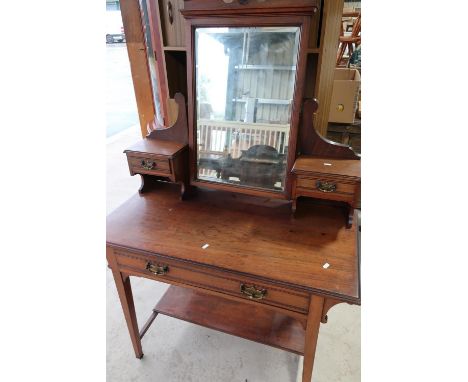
column 245, row 235
column 259, row 325
column 157, row 147
column 344, row 167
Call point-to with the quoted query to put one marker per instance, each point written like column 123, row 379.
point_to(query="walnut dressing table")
column 226, row 96
column 237, row 264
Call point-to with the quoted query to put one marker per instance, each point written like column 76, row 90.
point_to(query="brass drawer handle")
column 157, row 269
column 326, row 186
column 252, row 292
column 148, row 164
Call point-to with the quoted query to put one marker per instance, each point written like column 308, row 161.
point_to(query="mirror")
column 245, row 80
column 151, row 59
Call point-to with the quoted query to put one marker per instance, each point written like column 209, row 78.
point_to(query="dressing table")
column 229, row 126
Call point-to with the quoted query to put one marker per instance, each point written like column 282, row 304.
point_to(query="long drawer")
column 169, row 270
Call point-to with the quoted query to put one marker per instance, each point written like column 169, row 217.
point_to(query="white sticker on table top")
column 326, row 265
column 205, row 246
column 327, row 164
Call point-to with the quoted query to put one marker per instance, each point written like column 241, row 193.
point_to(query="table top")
column 156, row 146
column 249, row 235
column 345, row 167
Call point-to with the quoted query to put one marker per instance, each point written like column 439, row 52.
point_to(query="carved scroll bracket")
column 312, row 143
column 178, row 132
column 327, row 305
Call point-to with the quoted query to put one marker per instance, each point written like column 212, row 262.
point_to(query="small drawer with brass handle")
column 148, row 164
column 157, row 269
column 325, row 186
column 253, row 292
column 335, row 180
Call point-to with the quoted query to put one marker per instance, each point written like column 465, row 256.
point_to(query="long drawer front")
column 165, row 270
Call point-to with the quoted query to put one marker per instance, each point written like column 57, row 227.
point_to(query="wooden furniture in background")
column 349, row 43
column 277, row 295
column 331, row 20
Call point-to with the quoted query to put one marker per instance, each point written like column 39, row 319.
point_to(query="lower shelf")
column 255, row 323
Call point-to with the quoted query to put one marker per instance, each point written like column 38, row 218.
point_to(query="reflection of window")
column 112, row 6
column 252, row 77
column 212, row 77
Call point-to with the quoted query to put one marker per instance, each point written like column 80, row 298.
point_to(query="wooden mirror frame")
column 301, row 21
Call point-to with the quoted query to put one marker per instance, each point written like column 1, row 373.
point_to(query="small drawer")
column 149, row 165
column 324, row 185
column 181, row 273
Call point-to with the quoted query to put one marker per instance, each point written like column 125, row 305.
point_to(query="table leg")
column 126, row 299
column 142, row 189
column 294, row 205
column 312, row 331
column 349, row 216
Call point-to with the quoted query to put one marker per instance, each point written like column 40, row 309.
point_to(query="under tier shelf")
column 255, row 323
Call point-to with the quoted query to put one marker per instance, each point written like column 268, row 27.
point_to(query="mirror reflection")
column 245, row 81
column 151, row 59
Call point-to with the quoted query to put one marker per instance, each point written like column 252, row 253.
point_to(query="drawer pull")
column 148, row 164
column 157, row 269
column 326, row 186
column 252, row 292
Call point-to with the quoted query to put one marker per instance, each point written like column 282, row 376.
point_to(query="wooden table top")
column 154, row 146
column 248, row 235
column 345, row 167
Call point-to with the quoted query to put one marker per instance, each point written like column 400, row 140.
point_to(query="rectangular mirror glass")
column 245, row 81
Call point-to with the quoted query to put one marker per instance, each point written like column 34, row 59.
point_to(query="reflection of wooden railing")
column 230, row 137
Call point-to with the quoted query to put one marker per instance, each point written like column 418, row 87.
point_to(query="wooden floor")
column 260, row 324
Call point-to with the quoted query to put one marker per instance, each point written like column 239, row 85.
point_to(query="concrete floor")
column 176, row 351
